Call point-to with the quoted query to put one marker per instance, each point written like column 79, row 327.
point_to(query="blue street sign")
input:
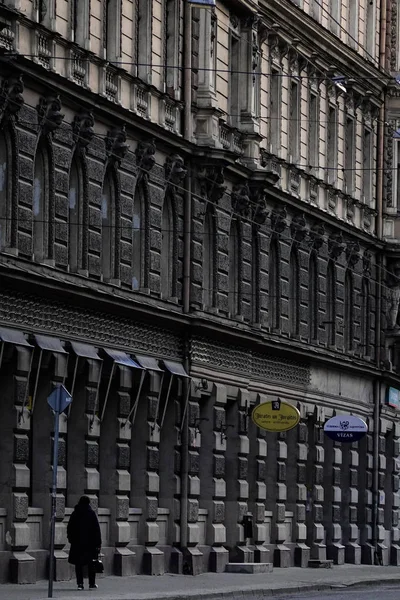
column 202, row 2
column 59, row 399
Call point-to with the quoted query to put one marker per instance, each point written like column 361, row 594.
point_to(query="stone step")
column 249, row 568
column 315, row 563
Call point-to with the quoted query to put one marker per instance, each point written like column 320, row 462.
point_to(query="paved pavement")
column 282, row 583
column 390, row 593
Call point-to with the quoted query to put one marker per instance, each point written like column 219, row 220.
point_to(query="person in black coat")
column 84, row 535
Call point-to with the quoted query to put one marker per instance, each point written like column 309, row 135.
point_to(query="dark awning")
column 175, row 368
column 49, row 343
column 148, row 362
column 13, row 336
column 85, row 350
column 122, row 358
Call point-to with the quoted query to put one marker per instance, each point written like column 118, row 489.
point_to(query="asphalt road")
column 387, row 593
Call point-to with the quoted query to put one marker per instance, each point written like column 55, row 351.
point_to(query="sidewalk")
column 211, row 586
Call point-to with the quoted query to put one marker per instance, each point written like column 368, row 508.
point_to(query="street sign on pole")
column 58, row 400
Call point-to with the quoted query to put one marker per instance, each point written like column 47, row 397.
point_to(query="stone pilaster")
column 395, row 484
column 302, row 551
column 316, row 491
column 282, row 552
column 261, row 552
column 22, row 565
column 382, row 549
column 153, row 558
column 219, row 555
column 353, row 548
column 124, row 559
column 367, row 548
column 335, row 549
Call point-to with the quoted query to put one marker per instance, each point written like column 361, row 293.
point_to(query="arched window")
column 108, row 200
column 274, row 291
column 40, row 204
column 233, row 273
column 365, row 317
column 209, row 256
column 5, row 193
column 348, row 325
column 331, row 303
column 75, row 221
column 138, row 234
column 167, row 248
column 294, row 293
column 313, row 297
column 255, row 278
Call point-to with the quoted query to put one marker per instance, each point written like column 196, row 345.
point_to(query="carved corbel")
column 240, row 198
column 367, row 260
column 211, row 180
column 175, row 172
column 11, row 97
column 278, row 220
column 50, row 116
column 317, row 236
column 352, row 253
column 298, row 228
column 260, row 211
column 82, row 129
column 335, row 245
column 116, row 146
column 145, row 158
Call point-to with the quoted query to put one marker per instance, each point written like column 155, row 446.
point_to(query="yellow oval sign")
column 275, row 415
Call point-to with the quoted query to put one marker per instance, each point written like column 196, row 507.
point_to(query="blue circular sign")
column 346, row 429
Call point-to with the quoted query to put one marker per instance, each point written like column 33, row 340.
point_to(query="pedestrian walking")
column 84, row 535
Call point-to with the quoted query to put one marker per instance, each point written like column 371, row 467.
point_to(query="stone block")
column 281, row 532
column 354, row 458
column 244, row 444
column 281, row 475
column 261, row 470
column 281, row 491
column 243, row 489
column 153, row 561
column 261, row 490
column 152, row 482
column 219, row 442
column 219, row 465
column 22, row 568
column 193, row 510
column 21, row 448
column 92, row 454
column 301, row 473
column 122, row 507
column 242, row 467
column 151, row 508
column 61, row 478
column 301, row 532
column 318, row 493
column 336, row 552
column 60, row 535
column 261, row 448
column 396, row 500
column 123, row 456
column 282, row 450
column 395, row 555
column 152, row 533
column 300, row 512
column 301, row 492
column 318, row 531
column 282, row 556
column 194, row 486
column 124, row 562
column 242, row 554
column 20, row 503
column 219, row 558
column 280, row 512
column 92, row 479
column 301, row 556
column 219, row 418
column 219, row 488
column 336, row 532
column 153, row 458
column 62, row 570
column 193, row 534
column 260, row 533
column 249, row 568
column 337, row 456
column 123, row 481
column 22, row 476
column 319, row 474
column 218, row 534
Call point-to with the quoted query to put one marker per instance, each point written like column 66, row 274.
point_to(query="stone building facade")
column 189, row 225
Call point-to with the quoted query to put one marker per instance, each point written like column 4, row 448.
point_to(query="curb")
column 251, row 594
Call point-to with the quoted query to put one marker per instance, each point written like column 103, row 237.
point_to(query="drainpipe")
column 379, row 260
column 187, row 87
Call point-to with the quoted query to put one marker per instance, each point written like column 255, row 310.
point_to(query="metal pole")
column 54, row 491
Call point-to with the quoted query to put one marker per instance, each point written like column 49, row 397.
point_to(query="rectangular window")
column 275, row 111
column 349, row 156
column 112, row 29
column 171, row 47
column 143, row 39
column 234, row 79
column 313, row 129
column 352, row 23
column 315, row 10
column 331, row 143
column 367, row 166
column 370, row 29
column 80, row 22
column 294, row 122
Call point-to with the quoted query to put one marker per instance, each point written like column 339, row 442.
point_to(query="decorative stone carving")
column 335, row 245
column 240, row 198
column 350, row 208
column 392, row 32
column 278, row 220
column 116, row 146
column 11, row 97
column 175, row 171
column 317, row 234
column 389, row 164
column 259, row 205
column 50, row 116
column 82, row 129
column 352, row 253
column 145, row 157
column 298, row 228
column 211, row 180
column 367, row 259
column 393, row 295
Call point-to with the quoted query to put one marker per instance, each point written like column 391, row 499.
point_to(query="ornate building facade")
column 191, row 223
